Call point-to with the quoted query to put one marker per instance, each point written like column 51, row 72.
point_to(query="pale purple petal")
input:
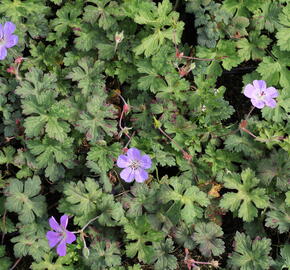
column 1, row 31
column 134, row 154
column 249, row 90
column 11, row 41
column 64, row 221
column 258, row 103
column 54, row 225
column 61, row 248
column 272, row 92
column 70, row 237
column 127, row 174
column 123, row 161
column 3, row 52
column 53, row 238
column 270, row 102
column 146, row 162
column 259, row 84
column 141, row 175
column 9, row 28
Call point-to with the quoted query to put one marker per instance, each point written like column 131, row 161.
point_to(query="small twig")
column 186, row 155
column 83, row 228
column 4, row 226
column 176, row 5
column 16, row 263
column 248, row 115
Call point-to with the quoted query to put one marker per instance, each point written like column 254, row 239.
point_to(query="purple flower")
column 60, row 236
column 7, row 40
column 260, row 94
column 134, row 165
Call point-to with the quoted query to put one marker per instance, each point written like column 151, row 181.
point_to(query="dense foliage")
column 89, row 79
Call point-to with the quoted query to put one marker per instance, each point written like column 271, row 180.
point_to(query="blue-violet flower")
column 7, row 40
column 60, row 236
column 260, row 94
column 134, row 166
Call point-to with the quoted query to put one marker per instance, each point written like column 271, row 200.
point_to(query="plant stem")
column 16, row 263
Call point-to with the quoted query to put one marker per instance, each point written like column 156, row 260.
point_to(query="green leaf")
column 280, row 112
column 36, row 82
column 6, row 155
column 5, row 262
column 48, row 262
column 191, row 198
column 183, row 235
column 254, row 47
column 87, row 38
column 248, row 198
column 140, row 198
column 275, row 170
column 266, row 17
column 88, row 75
column 142, row 233
column 50, row 154
column 164, row 23
column 17, row 10
column 165, row 261
column 98, row 119
column 103, row 254
column 251, row 254
column 278, row 66
column 86, row 200
column 207, row 235
column 283, row 36
column 285, row 253
column 227, row 49
column 243, row 144
column 102, row 12
column 104, row 155
column 81, row 199
column 31, row 241
column 287, row 201
column 24, row 199
column 279, row 218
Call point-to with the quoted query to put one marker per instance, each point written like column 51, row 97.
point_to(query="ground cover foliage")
column 90, row 78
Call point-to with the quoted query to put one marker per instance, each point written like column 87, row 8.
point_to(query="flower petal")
column 11, row 41
column 64, row 221
column 53, row 238
column 3, row 52
column 141, row 175
column 145, row 162
column 258, row 103
column 134, row 154
column 127, row 175
column 8, row 28
column 272, row 92
column 123, row 161
column 61, row 248
column 259, row 84
column 270, row 102
column 70, row 237
column 54, row 225
column 249, row 90
column 1, row 31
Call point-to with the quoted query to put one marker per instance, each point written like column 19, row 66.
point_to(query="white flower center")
column 135, row 164
column 261, row 95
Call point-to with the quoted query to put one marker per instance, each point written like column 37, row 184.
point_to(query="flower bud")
column 18, row 60
column 119, row 37
column 126, row 108
column 86, row 252
column 11, row 70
